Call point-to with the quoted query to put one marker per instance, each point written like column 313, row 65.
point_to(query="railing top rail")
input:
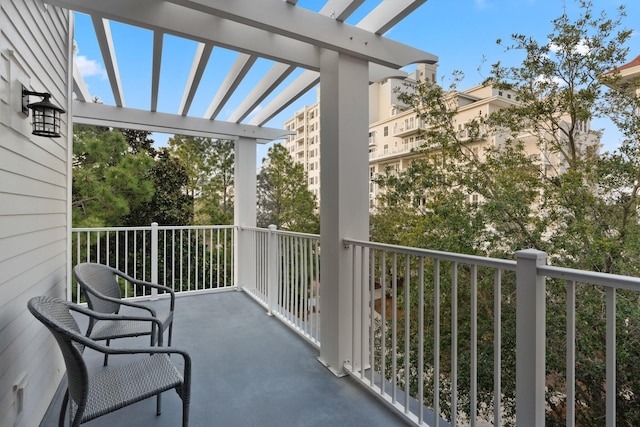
column 591, row 277
column 502, row 264
column 148, row 227
column 89, row 229
column 191, row 227
column 283, row 232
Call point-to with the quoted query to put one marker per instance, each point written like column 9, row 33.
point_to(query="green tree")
column 170, row 204
column 108, row 180
column 210, row 170
column 283, row 197
column 193, row 154
column 583, row 213
column 217, row 194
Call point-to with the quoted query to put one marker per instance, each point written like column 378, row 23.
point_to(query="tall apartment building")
column 304, row 146
column 394, row 131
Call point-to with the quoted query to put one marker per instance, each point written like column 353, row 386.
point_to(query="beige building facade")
column 304, row 145
column 395, row 132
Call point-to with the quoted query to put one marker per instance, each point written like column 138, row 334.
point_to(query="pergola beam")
column 276, row 17
column 130, row 118
column 191, row 24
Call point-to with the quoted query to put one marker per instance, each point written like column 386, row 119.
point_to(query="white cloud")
column 482, row 4
column 582, row 48
column 89, row 67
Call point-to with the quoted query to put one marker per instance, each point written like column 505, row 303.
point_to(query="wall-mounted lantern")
column 46, row 116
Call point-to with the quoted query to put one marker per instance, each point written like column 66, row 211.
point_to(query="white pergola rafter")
column 158, row 40
column 105, row 41
column 200, row 60
column 239, row 70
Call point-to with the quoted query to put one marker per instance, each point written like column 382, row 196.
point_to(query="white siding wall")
column 34, row 51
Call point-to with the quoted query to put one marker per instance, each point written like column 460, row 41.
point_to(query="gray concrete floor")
column 249, row 369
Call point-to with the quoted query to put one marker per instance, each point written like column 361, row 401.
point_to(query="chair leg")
column 170, row 334
column 158, row 403
column 106, row 356
column 63, row 410
column 185, row 413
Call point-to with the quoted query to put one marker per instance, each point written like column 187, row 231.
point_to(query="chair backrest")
column 95, row 281
column 54, row 314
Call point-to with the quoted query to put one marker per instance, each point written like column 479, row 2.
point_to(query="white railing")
column 442, row 338
column 287, row 277
column 193, row 258
column 401, row 148
column 439, row 334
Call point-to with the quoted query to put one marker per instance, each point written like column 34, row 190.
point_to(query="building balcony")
column 473, row 328
column 399, row 150
column 407, row 129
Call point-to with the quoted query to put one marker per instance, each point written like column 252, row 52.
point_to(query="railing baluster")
column 421, row 339
column 611, row 356
column 454, row 343
column 383, row 323
column 474, row 346
column 407, row 332
column 394, row 328
column 570, row 385
column 436, row 336
column 497, row 346
column 372, row 317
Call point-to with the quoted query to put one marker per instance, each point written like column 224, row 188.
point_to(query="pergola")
column 343, row 58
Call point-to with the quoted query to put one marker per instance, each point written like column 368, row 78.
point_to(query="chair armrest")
column 148, row 285
column 156, row 325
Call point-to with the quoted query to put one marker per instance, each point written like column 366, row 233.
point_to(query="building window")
column 386, row 131
column 499, row 93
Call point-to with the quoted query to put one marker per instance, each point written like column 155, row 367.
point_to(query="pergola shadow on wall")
column 342, row 58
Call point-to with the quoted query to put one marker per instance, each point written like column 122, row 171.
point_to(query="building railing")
column 186, row 259
column 401, row 148
column 442, row 338
column 430, row 326
column 287, row 277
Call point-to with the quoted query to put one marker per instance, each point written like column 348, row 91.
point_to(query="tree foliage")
column 583, row 211
column 109, row 181
column 209, row 165
column 283, row 197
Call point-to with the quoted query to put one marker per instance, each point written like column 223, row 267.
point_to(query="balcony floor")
column 248, row 369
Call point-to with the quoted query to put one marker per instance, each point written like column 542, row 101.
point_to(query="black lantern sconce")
column 46, row 116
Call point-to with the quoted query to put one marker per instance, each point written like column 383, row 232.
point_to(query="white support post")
column 272, row 270
column 344, row 175
column 154, row 259
column 245, row 200
column 530, row 339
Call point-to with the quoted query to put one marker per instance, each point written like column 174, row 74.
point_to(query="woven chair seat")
column 107, row 329
column 116, row 388
column 147, row 371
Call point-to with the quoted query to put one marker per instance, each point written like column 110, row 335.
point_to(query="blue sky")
column 460, row 32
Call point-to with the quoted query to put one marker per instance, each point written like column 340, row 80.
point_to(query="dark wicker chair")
column 95, row 395
column 99, row 284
